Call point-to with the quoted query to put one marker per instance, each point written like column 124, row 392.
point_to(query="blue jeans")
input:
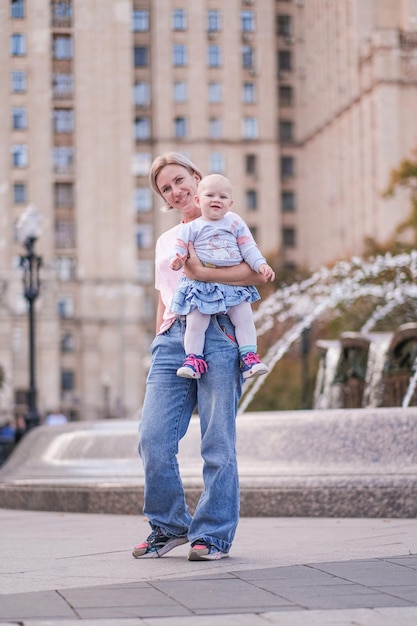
column 167, row 409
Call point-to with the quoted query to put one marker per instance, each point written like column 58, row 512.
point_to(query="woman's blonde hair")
column 170, row 158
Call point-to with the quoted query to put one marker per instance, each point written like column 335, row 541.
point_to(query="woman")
column 170, row 400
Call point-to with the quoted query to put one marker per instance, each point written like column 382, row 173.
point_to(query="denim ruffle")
column 209, row 298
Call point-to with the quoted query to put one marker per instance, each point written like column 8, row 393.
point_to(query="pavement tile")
column 372, row 572
column 349, row 617
column 360, row 598
column 134, row 621
column 121, row 612
column 295, row 574
column 97, row 597
column 45, row 604
column 203, row 595
column 254, row 610
column 282, row 588
column 242, row 619
column 407, row 592
column 408, row 561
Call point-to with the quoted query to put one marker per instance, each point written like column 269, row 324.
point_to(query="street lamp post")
column 29, row 230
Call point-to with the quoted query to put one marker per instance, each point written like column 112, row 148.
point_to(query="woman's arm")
column 240, row 275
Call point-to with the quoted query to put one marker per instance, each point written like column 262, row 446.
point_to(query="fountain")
column 388, row 282
column 333, row 460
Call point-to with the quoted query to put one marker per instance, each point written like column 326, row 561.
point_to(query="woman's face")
column 178, row 188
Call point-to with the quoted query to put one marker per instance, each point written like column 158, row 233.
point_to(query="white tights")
column 197, row 324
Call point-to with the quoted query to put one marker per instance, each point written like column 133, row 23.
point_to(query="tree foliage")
column 405, row 176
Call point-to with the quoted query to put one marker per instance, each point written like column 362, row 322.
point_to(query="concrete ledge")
column 333, row 463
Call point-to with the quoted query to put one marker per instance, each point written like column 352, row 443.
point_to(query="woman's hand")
column 193, row 268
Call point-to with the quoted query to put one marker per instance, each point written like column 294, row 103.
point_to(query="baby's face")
column 215, row 200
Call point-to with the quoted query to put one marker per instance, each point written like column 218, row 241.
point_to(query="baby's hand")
column 267, row 271
column 178, row 261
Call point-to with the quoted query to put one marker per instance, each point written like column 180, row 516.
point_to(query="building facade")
column 357, row 89
column 305, row 105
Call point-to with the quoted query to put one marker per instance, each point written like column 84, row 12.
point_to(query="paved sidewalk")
column 60, row 568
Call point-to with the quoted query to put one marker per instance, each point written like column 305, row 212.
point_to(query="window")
column 66, row 306
column 180, row 91
column 284, row 60
column 144, row 271
column 62, row 85
column 19, row 193
column 179, row 55
column 215, row 93
column 19, row 119
column 144, row 236
column 63, row 120
column 180, row 127
column 284, row 25
column 64, row 234
column 142, row 128
column 141, row 163
column 17, row 45
column 288, row 237
column 65, row 268
column 250, row 128
column 286, row 95
column 143, row 199
column 251, row 164
column 247, row 19
column 67, row 380
column 213, row 21
column 20, row 156
column 214, row 56
column 217, row 163
column 64, row 195
column 18, row 82
column 17, row 9
column 61, row 12
column 248, row 57
column 287, row 201
column 63, row 159
column 140, row 21
column 142, row 94
column 179, row 19
column 287, row 167
column 215, row 128
column 140, row 56
column 251, row 200
column 67, row 343
column 286, row 131
column 249, row 93
column 62, row 47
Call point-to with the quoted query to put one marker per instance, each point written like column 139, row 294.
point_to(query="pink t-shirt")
column 166, row 279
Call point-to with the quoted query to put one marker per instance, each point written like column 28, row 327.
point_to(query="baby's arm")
column 177, row 262
column 266, row 271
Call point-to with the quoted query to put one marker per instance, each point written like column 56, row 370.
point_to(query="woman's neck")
column 191, row 216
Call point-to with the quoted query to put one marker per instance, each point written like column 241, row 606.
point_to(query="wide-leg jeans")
column 168, row 406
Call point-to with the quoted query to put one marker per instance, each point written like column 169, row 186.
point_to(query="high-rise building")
column 305, row 105
column 356, row 121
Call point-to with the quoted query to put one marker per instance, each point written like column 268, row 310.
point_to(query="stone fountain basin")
column 332, row 463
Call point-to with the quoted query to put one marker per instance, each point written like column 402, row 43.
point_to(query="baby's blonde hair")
column 215, row 177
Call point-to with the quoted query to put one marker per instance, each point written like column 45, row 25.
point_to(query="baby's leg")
column 195, row 332
column 242, row 318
